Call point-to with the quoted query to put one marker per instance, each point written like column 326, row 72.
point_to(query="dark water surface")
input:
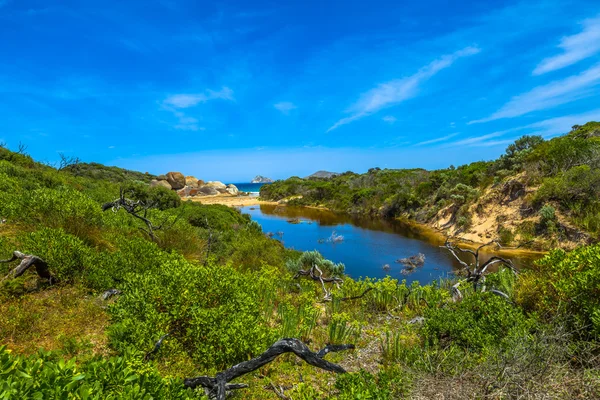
column 368, row 243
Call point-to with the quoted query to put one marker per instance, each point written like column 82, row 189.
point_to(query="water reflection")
column 369, row 244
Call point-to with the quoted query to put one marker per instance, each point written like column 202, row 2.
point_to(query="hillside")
column 542, row 192
column 113, row 289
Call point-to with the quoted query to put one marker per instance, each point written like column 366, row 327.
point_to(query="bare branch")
column 216, row 387
column 156, row 348
column 28, row 260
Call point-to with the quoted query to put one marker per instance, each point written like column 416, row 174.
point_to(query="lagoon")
column 368, row 243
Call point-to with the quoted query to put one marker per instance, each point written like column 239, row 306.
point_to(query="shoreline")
column 231, row 201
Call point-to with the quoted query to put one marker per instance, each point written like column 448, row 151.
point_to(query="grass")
column 63, row 318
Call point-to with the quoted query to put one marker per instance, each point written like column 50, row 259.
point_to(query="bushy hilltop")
column 132, row 290
column 543, row 192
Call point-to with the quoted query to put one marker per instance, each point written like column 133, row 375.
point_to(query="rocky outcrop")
column 322, row 174
column 192, row 181
column 188, row 191
column 176, row 180
column 207, row 190
column 190, row 186
column 261, row 179
column 216, row 184
column 232, row 190
column 162, row 183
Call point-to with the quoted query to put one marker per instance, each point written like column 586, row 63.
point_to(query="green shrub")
column 478, row 321
column 308, row 259
column 387, row 384
column 566, row 283
column 212, row 312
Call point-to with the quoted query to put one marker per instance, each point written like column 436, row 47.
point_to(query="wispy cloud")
column 393, row 92
column 575, row 48
column 285, row 107
column 440, row 139
column 550, row 95
column 390, row 119
column 174, row 103
column 191, row 100
column 560, row 125
column 476, row 140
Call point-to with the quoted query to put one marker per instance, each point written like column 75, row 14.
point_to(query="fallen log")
column 217, row 386
column 28, row 260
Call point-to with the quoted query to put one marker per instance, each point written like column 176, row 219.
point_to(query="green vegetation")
column 562, row 172
column 224, row 292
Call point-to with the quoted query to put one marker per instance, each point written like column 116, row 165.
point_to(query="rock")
column 261, row 179
column 176, row 179
column 164, row 184
column 161, row 178
column 216, row 184
column 191, row 181
column 232, row 189
column 207, row 190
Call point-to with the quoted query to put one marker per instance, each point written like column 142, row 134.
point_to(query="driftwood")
column 476, row 270
column 319, row 278
column 156, row 348
column 216, row 387
column 28, row 260
column 357, row 297
column 109, row 293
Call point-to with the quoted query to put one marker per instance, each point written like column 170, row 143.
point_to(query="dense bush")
column 212, row 312
column 566, row 283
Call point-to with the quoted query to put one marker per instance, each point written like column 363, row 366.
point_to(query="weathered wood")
column 156, row 347
column 476, row 270
column 356, row 297
column 28, row 260
column 217, row 386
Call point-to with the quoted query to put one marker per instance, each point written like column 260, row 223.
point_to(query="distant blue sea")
column 252, row 188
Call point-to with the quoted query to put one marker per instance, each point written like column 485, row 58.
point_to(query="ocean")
column 252, row 188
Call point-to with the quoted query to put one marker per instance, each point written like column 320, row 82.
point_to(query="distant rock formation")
column 261, row 179
column 322, row 174
column 190, row 186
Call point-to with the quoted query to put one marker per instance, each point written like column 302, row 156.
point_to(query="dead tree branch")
column 476, row 269
column 66, row 161
column 217, row 386
column 138, row 209
column 319, row 278
column 356, row 297
column 156, row 348
column 28, row 260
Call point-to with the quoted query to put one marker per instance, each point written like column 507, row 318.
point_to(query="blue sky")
column 228, row 90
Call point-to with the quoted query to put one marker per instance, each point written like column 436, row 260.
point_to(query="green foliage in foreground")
column 46, row 375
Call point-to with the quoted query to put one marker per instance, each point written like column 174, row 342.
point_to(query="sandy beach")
column 231, row 201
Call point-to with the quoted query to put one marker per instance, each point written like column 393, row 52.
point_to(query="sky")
column 232, row 89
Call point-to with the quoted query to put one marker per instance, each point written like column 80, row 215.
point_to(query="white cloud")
column 440, row 139
column 575, row 48
column 390, row 119
column 176, row 102
column 398, row 90
column 191, row 100
column 477, row 140
column 550, row 95
column 285, row 107
column 560, row 125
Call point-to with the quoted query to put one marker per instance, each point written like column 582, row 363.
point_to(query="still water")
column 367, row 245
